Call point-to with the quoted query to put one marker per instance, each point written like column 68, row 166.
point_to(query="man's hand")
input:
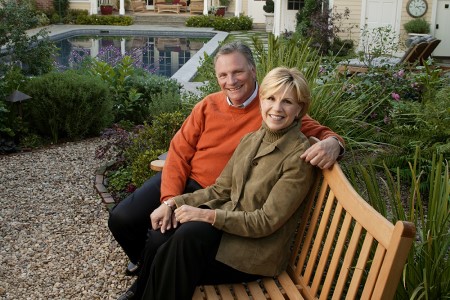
column 322, row 154
column 163, row 218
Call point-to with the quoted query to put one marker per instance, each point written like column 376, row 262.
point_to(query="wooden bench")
column 169, row 8
column 344, row 249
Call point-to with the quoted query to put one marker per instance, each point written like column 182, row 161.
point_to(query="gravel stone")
column 54, row 238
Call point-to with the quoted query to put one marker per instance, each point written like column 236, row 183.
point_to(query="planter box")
column 106, row 9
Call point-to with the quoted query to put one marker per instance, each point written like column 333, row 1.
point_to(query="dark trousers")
column 129, row 220
column 177, row 261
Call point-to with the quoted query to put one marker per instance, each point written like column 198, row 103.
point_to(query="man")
column 200, row 149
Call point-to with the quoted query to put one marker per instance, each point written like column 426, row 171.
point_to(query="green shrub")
column 221, row 23
column 151, row 141
column 68, row 105
column 158, row 94
column 104, row 20
column 73, row 14
column 417, row 26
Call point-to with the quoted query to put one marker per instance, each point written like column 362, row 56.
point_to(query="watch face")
column 417, row 8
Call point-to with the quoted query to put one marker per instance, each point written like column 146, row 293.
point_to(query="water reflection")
column 159, row 55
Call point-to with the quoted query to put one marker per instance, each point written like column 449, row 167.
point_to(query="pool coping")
column 184, row 75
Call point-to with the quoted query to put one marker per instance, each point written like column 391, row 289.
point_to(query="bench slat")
column 289, row 287
column 324, row 257
column 347, row 263
column 311, row 266
column 256, row 291
column 272, row 289
column 374, row 272
column 225, row 292
column 210, row 292
column 334, row 263
column 239, row 291
column 360, row 267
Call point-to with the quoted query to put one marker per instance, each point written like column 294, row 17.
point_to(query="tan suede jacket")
column 257, row 199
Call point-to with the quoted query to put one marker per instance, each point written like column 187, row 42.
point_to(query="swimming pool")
column 162, row 55
column 185, row 72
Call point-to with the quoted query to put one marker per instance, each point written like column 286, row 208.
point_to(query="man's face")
column 235, row 77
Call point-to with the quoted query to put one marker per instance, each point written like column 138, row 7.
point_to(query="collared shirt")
column 248, row 101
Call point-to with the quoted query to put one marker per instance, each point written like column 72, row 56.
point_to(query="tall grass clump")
column 334, row 104
column 426, row 273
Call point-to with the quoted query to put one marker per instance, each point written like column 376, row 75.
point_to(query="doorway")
column 441, row 28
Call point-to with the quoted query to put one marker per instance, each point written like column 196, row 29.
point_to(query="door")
column 442, row 26
column 380, row 13
column 255, row 10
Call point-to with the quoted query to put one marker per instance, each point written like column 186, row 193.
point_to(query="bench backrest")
column 344, row 247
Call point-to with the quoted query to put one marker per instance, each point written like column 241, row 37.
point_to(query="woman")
column 253, row 206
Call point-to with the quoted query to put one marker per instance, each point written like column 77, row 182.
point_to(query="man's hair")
column 286, row 79
column 236, row 47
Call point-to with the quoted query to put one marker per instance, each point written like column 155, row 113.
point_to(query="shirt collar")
column 248, row 101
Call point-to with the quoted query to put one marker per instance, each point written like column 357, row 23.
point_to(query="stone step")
column 164, row 20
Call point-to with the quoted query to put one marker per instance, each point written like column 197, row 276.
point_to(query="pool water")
column 162, row 55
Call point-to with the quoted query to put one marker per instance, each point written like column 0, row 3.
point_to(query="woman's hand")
column 187, row 213
column 163, row 218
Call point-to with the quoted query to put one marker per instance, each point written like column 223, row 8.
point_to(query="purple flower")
column 395, row 96
column 399, row 74
column 387, row 120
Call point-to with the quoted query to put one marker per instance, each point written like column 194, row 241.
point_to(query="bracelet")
column 167, row 203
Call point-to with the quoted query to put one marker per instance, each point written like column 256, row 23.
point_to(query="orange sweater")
column 208, row 137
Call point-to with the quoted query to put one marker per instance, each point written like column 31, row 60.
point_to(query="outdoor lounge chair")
column 419, row 50
column 196, row 6
column 428, row 50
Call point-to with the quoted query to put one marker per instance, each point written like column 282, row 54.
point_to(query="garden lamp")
column 18, row 96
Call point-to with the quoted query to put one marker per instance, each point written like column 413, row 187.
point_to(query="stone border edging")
column 99, row 185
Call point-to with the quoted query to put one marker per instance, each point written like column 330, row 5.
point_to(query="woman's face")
column 280, row 109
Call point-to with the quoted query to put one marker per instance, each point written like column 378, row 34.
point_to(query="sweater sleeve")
column 181, row 150
column 311, row 127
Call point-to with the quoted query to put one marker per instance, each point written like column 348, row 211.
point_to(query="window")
column 295, row 4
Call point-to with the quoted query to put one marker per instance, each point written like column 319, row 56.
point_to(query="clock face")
column 417, row 8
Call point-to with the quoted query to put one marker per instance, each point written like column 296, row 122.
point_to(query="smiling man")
column 201, row 148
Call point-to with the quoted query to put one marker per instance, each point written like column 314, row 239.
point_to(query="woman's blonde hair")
column 287, row 79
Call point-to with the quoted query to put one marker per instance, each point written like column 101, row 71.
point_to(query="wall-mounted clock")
column 416, row 8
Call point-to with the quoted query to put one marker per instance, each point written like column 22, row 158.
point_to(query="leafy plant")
column 33, row 54
column 303, row 16
column 378, row 42
column 61, row 6
column 224, row 2
column 269, row 7
column 419, row 25
column 151, row 141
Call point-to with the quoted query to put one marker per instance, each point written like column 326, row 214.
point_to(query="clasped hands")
column 164, row 218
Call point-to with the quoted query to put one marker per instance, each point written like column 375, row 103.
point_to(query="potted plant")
column 106, row 8
column 417, row 26
column 269, row 9
column 225, row 3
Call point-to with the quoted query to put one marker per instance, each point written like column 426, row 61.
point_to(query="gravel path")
column 54, row 239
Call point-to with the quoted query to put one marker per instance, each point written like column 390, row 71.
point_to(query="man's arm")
column 324, row 153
